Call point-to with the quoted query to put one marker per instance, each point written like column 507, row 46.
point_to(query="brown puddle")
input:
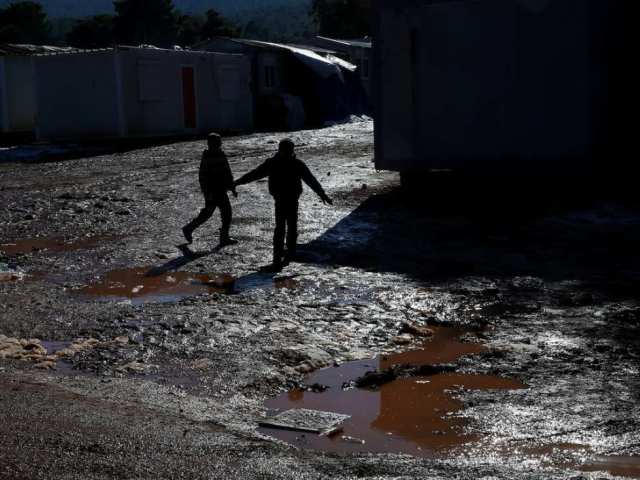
column 618, row 466
column 52, row 245
column 139, row 285
column 11, row 276
column 414, row 415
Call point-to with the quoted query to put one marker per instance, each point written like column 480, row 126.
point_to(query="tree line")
column 158, row 22
column 346, row 19
column 136, row 22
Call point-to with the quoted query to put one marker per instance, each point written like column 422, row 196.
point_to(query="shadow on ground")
column 30, row 152
column 436, row 237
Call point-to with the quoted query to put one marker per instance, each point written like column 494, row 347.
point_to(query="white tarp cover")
column 343, row 63
column 325, row 67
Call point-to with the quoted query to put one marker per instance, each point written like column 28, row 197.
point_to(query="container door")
column 189, row 97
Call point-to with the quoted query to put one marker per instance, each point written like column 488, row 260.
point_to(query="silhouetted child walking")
column 286, row 174
column 215, row 180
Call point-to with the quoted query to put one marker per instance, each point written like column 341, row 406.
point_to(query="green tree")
column 93, row 32
column 189, row 30
column 342, row 18
column 24, row 22
column 146, row 22
column 216, row 25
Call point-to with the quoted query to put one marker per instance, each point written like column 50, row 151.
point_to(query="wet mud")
column 11, row 276
column 140, row 286
column 148, row 285
column 416, row 415
column 52, row 245
column 555, row 290
column 619, row 466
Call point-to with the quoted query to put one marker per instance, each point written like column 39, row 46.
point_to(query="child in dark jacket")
column 215, row 180
column 286, row 174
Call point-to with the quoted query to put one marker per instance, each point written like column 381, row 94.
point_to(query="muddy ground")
column 165, row 358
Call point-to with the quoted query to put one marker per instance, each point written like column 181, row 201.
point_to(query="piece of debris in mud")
column 28, row 350
column 406, row 405
column 348, row 439
column 305, row 420
column 46, row 355
column 9, row 274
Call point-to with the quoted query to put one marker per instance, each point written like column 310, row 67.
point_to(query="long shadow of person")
column 188, row 256
column 252, row 281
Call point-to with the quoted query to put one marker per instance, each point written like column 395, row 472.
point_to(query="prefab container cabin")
column 17, row 93
column 491, row 86
column 296, row 86
column 141, row 92
column 359, row 52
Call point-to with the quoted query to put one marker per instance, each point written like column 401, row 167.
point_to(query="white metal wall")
column 17, row 94
column 473, row 84
column 4, row 112
column 21, row 94
column 153, row 91
column 139, row 92
column 76, row 96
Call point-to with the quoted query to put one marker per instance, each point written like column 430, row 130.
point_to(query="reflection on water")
column 444, row 348
column 142, row 285
column 619, row 466
column 415, row 415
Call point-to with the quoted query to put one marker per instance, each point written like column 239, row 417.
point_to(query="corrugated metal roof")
column 122, row 48
column 361, row 43
column 26, row 49
column 267, row 45
column 313, row 48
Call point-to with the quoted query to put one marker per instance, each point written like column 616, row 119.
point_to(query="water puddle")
column 51, row 245
column 416, row 415
column 618, row 466
column 9, row 275
column 147, row 285
column 53, row 348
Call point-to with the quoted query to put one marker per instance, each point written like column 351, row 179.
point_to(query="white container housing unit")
column 141, row 92
column 17, row 94
column 486, row 86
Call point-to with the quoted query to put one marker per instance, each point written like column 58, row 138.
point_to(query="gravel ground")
column 173, row 385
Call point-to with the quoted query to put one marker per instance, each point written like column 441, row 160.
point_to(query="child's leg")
column 292, row 229
column 280, row 231
column 205, row 214
column 225, row 217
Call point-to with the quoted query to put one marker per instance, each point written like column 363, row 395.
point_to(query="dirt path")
column 185, row 350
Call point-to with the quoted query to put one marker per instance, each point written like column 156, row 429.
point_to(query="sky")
column 82, row 8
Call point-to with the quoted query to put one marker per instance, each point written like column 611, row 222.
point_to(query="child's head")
column 214, row 141
column 286, row 147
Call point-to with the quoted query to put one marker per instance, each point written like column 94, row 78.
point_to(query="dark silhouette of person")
column 286, row 174
column 215, row 180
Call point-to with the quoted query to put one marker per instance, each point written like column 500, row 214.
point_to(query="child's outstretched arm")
column 228, row 181
column 257, row 174
column 314, row 184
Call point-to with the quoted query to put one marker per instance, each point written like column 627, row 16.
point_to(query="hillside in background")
column 274, row 20
column 84, row 8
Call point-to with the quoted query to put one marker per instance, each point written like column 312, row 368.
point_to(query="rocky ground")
column 134, row 379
